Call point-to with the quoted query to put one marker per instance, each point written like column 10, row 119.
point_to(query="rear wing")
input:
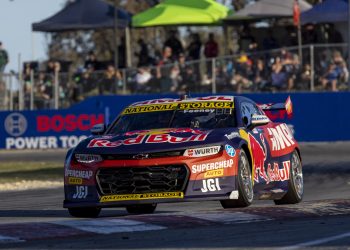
column 278, row 110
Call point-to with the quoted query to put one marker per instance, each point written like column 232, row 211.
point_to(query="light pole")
column 115, row 34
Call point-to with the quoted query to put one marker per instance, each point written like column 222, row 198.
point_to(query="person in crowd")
column 305, row 77
column 242, row 79
column 194, row 48
column 43, row 94
column 4, row 59
column 143, row 53
column 189, row 80
column 163, row 70
column 91, row 62
column 279, row 78
column 211, row 50
column 261, row 75
column 142, row 79
column 175, row 44
column 330, row 78
column 111, row 81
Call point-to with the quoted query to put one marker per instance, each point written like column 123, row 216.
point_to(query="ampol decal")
column 280, row 139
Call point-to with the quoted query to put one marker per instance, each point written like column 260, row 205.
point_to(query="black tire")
column 245, row 184
column 295, row 183
column 141, row 208
column 84, row 212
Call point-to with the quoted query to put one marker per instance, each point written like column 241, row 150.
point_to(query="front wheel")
column 245, row 184
column 84, row 212
column 141, row 208
column 295, row 182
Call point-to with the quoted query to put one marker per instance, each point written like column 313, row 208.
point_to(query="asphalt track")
column 35, row 219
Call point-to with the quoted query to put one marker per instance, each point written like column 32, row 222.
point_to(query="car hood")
column 160, row 140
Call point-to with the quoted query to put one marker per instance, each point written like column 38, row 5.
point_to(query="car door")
column 258, row 145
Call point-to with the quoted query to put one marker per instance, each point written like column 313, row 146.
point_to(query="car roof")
column 221, row 98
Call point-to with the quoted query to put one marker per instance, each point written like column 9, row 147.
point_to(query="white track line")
column 8, row 239
column 228, row 218
column 109, row 226
column 318, row 241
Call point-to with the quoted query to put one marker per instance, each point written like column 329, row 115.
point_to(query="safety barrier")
column 317, row 117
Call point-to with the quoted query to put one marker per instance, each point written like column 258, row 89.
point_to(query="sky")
column 16, row 33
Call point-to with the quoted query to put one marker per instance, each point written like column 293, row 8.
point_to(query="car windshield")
column 192, row 118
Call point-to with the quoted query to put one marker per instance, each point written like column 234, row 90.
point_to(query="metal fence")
column 319, row 68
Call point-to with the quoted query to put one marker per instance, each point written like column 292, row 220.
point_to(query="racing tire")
column 295, row 182
column 141, row 208
column 84, row 212
column 245, row 184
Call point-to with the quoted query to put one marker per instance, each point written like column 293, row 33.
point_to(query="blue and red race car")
column 221, row 148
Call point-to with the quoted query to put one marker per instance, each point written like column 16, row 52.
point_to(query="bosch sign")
column 46, row 129
column 69, row 123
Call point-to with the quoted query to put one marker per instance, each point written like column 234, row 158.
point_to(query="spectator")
column 91, row 61
column 111, row 82
column 189, row 80
column 4, row 59
column 163, row 70
column 261, row 76
column 278, row 76
column 174, row 43
column 330, row 78
column 305, row 77
column 143, row 53
column 142, row 79
column 211, row 50
column 194, row 48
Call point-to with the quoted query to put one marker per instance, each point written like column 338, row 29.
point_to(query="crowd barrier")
column 317, row 117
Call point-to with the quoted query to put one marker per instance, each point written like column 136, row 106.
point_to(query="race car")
column 222, row 148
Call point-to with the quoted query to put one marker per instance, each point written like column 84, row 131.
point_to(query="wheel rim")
column 246, row 178
column 297, row 175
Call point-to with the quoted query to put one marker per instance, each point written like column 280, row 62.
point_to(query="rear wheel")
column 295, row 182
column 245, row 184
column 141, row 208
column 84, row 212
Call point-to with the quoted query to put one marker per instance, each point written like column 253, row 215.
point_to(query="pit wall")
column 317, row 117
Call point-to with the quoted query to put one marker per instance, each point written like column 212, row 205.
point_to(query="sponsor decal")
column 69, row 123
column 214, row 173
column 276, row 174
column 165, row 131
column 85, row 174
column 149, row 108
column 81, row 192
column 199, row 168
column 153, row 138
column 16, row 124
column 200, row 152
column 205, row 105
column 199, row 111
column 230, row 150
column 259, row 155
column 43, row 142
column 210, row 185
column 232, row 135
column 280, row 139
column 147, row 196
column 75, row 181
column 169, row 100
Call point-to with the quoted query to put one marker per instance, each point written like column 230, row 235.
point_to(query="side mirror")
column 259, row 120
column 98, row 129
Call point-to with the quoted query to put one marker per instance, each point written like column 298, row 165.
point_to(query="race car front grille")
column 145, row 156
column 136, row 180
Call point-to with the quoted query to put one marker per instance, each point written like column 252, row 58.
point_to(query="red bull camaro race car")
column 221, row 148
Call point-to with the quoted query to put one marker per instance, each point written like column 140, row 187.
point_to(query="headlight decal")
column 88, row 158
